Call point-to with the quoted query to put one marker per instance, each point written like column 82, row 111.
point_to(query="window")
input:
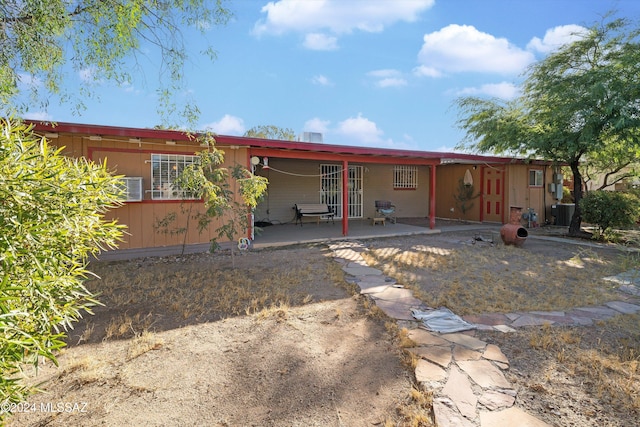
column 535, row 178
column 405, row 177
column 132, row 188
column 165, row 170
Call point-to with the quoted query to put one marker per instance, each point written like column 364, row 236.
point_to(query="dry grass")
column 603, row 361
column 143, row 343
column 469, row 280
column 414, row 411
column 204, row 290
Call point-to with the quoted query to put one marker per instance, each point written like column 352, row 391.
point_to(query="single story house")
column 348, row 179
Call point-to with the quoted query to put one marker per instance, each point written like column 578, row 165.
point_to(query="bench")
column 313, row 209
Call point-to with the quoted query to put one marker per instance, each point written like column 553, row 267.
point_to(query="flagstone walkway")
column 465, row 373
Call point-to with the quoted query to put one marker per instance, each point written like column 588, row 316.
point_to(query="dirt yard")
column 281, row 341
column 287, row 345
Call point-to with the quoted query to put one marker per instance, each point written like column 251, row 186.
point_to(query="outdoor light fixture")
column 468, row 179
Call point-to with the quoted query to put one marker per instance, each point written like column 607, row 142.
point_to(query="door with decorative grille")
column 331, row 189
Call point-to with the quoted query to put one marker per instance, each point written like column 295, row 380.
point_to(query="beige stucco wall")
column 294, row 181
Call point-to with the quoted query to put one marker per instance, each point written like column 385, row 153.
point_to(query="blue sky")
column 379, row 73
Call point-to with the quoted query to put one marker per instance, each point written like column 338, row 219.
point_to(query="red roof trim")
column 110, row 130
column 310, row 147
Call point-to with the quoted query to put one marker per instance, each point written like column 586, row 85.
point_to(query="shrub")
column 51, row 220
column 610, row 209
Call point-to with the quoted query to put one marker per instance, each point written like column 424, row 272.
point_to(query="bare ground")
column 313, row 356
column 290, row 345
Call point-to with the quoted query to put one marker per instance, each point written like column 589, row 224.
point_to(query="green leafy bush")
column 51, row 220
column 610, row 209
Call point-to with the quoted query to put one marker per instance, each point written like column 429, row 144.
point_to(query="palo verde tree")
column 582, row 99
column 102, row 39
column 51, row 220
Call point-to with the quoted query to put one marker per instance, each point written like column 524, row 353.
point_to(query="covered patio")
column 291, row 234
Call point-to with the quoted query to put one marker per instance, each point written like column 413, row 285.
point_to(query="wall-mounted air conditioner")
column 132, row 186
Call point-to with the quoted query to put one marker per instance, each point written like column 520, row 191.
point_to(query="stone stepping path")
column 465, row 373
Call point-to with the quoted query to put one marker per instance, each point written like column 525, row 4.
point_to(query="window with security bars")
column 165, row 170
column 405, row 177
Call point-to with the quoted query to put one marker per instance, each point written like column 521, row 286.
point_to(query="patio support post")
column 432, row 197
column 345, row 198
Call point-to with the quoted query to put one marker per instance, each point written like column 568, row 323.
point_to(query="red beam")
column 345, row 198
column 322, row 156
column 432, row 198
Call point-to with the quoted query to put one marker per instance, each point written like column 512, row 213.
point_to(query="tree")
column 51, row 220
column 217, row 186
column 610, row 209
column 38, row 37
column 271, row 132
column 619, row 163
column 581, row 99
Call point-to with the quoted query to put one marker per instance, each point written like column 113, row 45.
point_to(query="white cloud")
column 316, row 125
column 502, row 90
column 336, row 16
column 388, row 78
column 360, row 129
column 228, row 125
column 321, row 80
column 425, row 71
column 320, row 41
column 462, row 48
column 391, row 82
column 556, row 37
column 38, row 115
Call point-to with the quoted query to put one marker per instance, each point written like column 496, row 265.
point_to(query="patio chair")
column 386, row 209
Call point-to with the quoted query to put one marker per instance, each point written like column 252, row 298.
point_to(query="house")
column 348, row 179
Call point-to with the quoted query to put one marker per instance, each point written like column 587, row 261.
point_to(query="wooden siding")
column 447, row 181
column 511, row 181
column 133, row 159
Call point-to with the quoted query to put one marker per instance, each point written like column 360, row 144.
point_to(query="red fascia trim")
column 311, row 155
column 110, row 130
column 326, row 148
column 91, row 149
column 427, row 157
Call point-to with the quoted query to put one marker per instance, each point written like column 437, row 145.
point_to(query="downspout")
column 345, row 198
column 432, row 197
